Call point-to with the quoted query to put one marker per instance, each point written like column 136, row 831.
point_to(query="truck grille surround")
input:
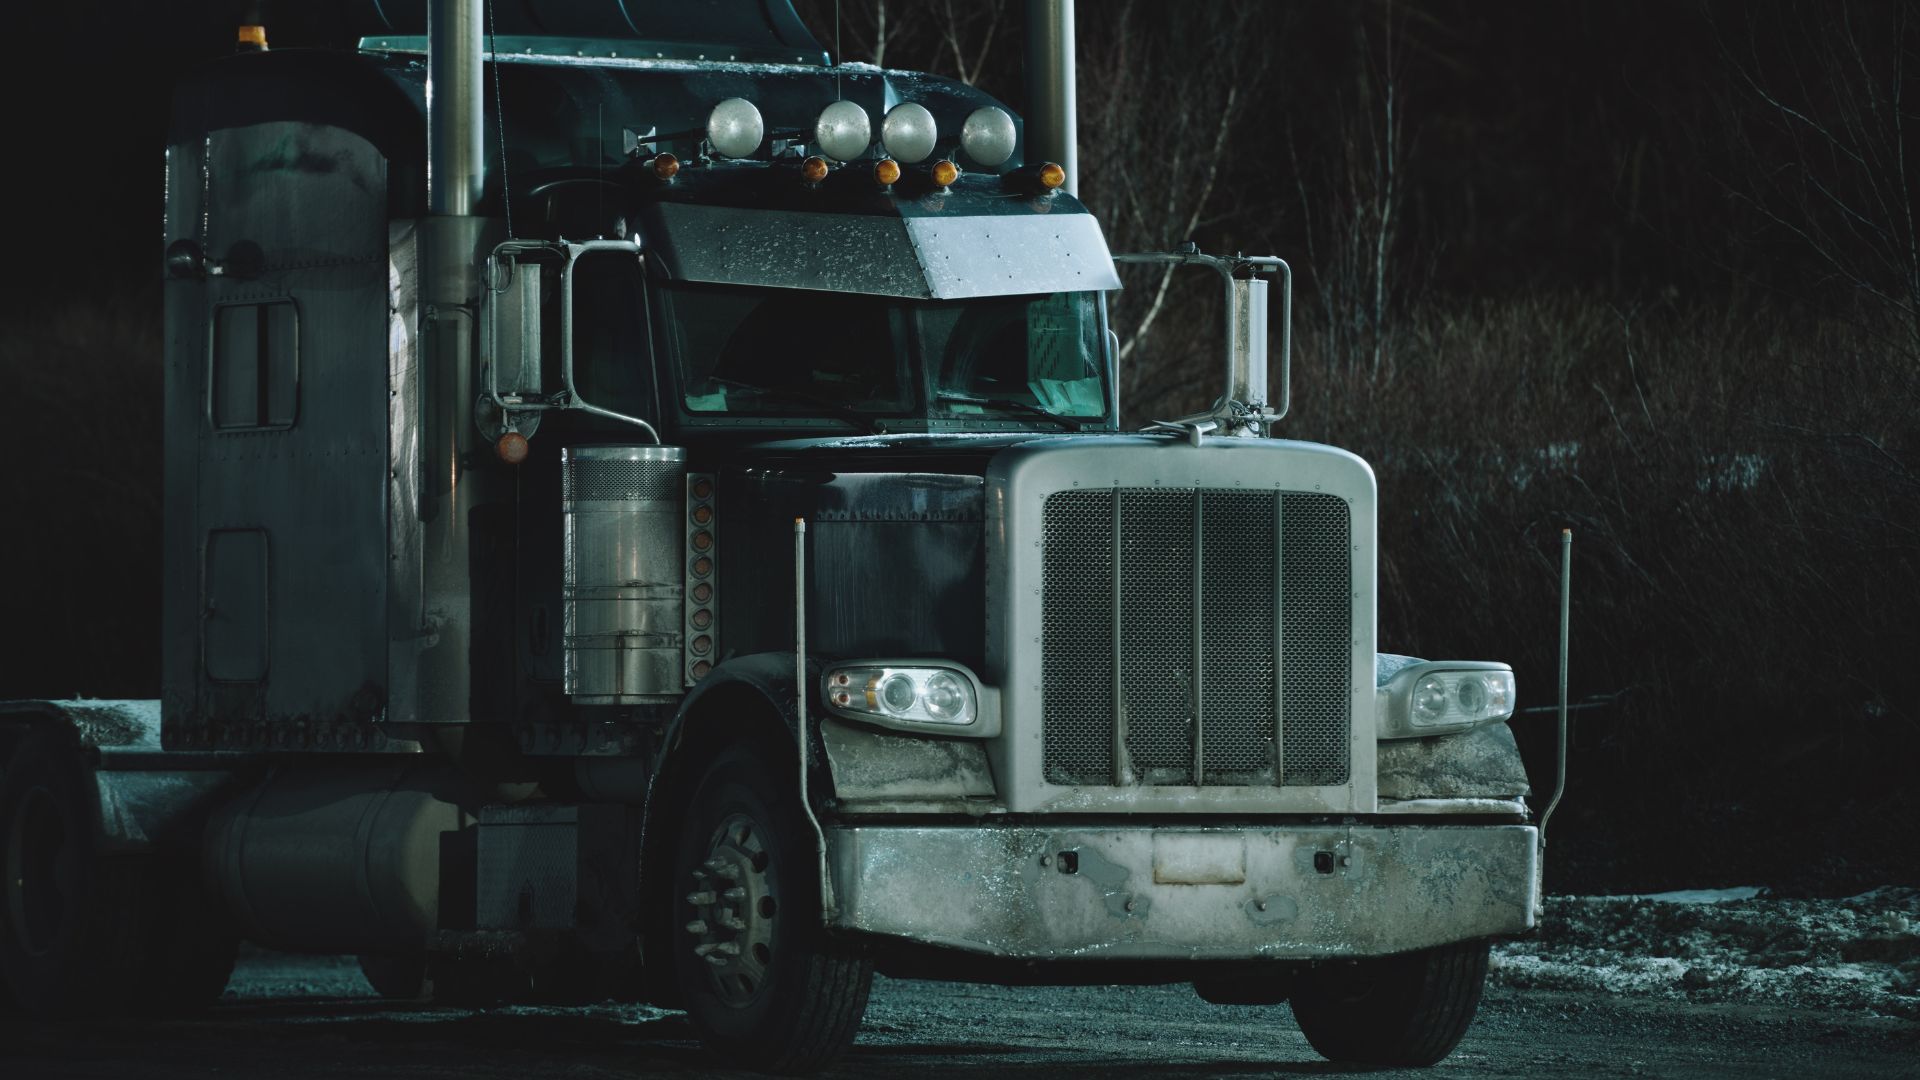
column 1196, row 636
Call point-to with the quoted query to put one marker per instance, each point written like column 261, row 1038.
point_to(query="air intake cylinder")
column 622, row 581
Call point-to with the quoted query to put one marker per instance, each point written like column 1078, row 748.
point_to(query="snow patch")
column 1728, row 945
column 1701, row 896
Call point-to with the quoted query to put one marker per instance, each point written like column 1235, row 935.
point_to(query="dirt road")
column 291, row 1017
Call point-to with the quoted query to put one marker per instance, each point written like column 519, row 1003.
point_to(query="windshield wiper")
column 853, row 416
column 1008, row 404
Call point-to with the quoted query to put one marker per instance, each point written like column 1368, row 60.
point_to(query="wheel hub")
column 733, row 906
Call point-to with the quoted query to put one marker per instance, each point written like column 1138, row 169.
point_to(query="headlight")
column 735, row 128
column 1437, row 697
column 909, row 133
column 987, row 135
column 843, row 131
column 906, row 695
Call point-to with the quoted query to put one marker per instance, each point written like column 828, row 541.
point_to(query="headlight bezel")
column 1406, row 701
column 858, row 697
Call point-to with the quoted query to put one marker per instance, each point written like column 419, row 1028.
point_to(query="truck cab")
column 648, row 514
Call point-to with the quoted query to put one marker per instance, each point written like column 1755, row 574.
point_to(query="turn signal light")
column 814, row 169
column 945, row 173
column 886, row 172
column 666, row 166
column 512, row 448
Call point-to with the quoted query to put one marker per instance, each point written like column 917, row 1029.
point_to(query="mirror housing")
column 518, row 274
column 1245, row 407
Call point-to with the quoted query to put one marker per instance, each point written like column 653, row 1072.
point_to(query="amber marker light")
column 886, row 172
column 814, row 169
column 255, row 36
column 945, row 173
column 666, row 166
column 1052, row 176
column 512, row 448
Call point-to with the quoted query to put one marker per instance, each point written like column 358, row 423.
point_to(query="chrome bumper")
column 1294, row 892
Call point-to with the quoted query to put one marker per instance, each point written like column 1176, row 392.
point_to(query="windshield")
column 744, row 351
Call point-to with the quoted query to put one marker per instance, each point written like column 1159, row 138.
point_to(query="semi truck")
column 647, row 516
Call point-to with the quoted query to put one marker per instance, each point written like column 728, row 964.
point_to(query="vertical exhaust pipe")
column 1052, row 127
column 450, row 254
column 456, row 167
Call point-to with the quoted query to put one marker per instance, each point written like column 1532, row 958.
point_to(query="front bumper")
column 1185, row 893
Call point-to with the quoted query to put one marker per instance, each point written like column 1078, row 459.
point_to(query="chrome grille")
column 1143, row 588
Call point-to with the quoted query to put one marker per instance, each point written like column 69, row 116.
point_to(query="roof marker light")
column 814, row 169
column 735, row 128
column 886, row 171
column 908, row 133
column 988, row 136
column 1051, row 176
column 843, row 131
column 944, row 173
column 666, row 166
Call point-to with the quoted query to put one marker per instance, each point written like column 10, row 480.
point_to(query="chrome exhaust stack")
column 456, row 166
column 1052, row 126
column 441, row 692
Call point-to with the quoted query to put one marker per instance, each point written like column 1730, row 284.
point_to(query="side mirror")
column 520, row 276
column 1250, row 402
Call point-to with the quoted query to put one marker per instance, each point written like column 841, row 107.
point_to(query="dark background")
column 1647, row 270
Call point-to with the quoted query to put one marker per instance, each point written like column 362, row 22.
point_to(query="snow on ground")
column 1728, row 945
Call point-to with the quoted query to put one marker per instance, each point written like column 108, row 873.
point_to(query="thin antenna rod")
column 836, row 50
column 499, row 118
column 1566, row 602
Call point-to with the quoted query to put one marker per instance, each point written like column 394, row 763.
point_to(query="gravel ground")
column 1612, row 986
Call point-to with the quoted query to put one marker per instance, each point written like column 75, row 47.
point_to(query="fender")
column 145, row 799
column 764, row 679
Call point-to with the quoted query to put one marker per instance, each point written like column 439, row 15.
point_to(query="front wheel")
column 763, row 982
column 1398, row 1010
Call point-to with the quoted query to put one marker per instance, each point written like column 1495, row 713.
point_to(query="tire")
column 784, row 995
column 1399, row 1010
column 72, row 939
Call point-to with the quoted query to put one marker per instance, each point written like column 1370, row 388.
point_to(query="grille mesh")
column 1238, row 654
column 1316, row 621
column 587, row 479
column 1077, row 626
column 1249, row 638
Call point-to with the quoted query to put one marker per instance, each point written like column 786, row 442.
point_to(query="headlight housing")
column 912, row 695
column 1436, row 697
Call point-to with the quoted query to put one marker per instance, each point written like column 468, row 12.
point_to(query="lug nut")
column 698, row 928
column 701, row 898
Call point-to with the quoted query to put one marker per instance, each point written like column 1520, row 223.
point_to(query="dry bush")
column 1745, row 496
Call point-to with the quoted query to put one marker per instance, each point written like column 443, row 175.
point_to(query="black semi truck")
column 647, row 515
